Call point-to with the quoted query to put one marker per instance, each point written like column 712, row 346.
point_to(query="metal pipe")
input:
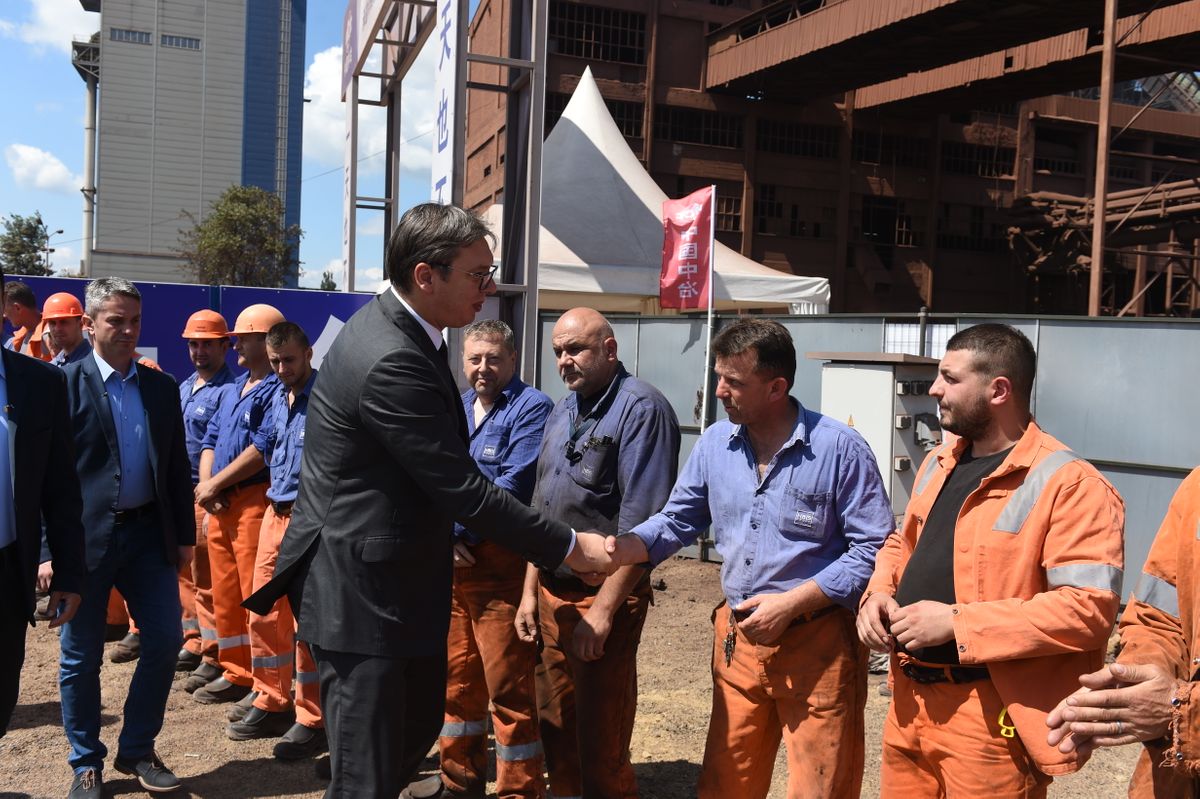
column 533, row 191
column 89, row 177
column 1100, row 195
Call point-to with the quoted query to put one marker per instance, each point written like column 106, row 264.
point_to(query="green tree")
column 243, row 241
column 23, row 245
column 327, row 283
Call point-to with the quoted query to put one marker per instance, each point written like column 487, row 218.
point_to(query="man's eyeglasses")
column 483, row 277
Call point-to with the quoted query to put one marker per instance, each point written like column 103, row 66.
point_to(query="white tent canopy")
column 602, row 234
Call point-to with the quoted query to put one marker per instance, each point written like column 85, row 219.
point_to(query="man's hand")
column 45, row 574
column 770, row 615
column 590, row 561
column 875, row 620
column 206, row 492
column 1120, row 704
column 64, row 606
column 463, row 559
column 185, row 558
column 526, row 621
column 922, row 624
column 587, row 642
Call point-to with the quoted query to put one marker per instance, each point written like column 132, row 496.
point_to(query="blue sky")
column 41, row 135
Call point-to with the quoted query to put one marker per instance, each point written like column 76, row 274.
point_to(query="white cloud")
column 370, row 224
column 34, row 168
column 52, row 24
column 64, row 259
column 325, row 116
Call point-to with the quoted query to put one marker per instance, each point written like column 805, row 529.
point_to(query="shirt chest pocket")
column 494, row 443
column 593, row 470
column 803, row 515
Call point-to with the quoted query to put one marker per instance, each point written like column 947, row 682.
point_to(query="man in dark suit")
column 139, row 531
column 385, row 473
column 34, row 433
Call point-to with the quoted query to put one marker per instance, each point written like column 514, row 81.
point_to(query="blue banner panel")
column 320, row 313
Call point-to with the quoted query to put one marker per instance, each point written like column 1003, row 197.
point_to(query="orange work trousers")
column 273, row 640
column 808, row 688
column 118, row 612
column 586, row 708
column 1152, row 780
column 232, row 550
column 195, row 596
column 487, row 661
column 945, row 740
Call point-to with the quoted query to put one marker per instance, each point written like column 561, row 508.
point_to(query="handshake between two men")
column 596, row 555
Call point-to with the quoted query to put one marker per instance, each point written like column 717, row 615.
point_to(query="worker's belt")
column 252, row 481
column 128, row 515
column 803, row 618
column 282, row 508
column 934, row 674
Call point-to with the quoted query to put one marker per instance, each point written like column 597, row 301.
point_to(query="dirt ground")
column 668, row 741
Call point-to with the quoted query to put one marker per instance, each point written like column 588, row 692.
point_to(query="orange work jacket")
column 1038, row 559
column 1161, row 626
column 35, row 342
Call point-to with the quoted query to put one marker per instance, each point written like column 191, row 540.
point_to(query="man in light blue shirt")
column 798, row 509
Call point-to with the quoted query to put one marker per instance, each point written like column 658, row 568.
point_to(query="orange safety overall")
column 487, row 662
column 1161, row 627
column 195, row 596
column 277, row 659
column 118, row 613
column 1038, row 558
column 232, row 551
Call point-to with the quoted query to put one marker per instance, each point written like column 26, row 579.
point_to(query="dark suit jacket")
column 45, row 486
column 385, row 472
column 97, row 458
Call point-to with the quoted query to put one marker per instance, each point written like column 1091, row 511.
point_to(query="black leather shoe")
column 127, row 649
column 259, row 723
column 187, row 661
column 301, row 742
column 150, row 772
column 238, row 710
column 218, row 691
column 202, row 676
column 87, row 785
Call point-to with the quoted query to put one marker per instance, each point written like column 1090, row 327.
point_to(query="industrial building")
column 186, row 98
column 882, row 145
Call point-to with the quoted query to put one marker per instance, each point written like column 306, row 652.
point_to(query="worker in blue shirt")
column 608, row 460
column 278, row 661
column 233, row 489
column 207, row 337
column 798, row 510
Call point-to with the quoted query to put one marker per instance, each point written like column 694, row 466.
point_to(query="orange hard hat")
column 62, row 306
column 206, row 324
column 257, row 319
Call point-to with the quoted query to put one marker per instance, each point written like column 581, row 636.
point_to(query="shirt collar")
column 799, row 432
column 308, row 384
column 435, row 335
column 107, row 371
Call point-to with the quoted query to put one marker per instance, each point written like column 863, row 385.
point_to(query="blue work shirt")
column 506, row 443
column 8, row 514
column 280, row 438
column 78, row 354
column 230, row 430
column 820, row 513
column 622, row 468
column 133, row 434
column 199, row 406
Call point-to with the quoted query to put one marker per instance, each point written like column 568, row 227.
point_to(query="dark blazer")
column 385, row 472
column 45, row 486
column 97, row 458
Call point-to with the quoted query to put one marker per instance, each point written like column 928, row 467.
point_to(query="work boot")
column 202, row 676
column 87, row 785
column 151, row 774
column 187, row 661
column 218, row 691
column 259, row 723
column 127, row 649
column 301, row 742
column 238, row 710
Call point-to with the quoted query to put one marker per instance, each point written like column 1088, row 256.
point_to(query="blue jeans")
column 136, row 565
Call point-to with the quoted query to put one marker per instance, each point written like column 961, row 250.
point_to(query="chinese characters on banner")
column 684, row 282
column 445, row 39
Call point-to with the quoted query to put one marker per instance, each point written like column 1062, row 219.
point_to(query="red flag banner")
column 687, row 251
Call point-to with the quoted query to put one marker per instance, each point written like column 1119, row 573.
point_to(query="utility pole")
column 1103, row 132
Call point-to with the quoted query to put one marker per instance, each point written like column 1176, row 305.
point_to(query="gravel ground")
column 668, row 741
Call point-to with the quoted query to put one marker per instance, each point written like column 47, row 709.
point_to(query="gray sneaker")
column 150, row 772
column 87, row 785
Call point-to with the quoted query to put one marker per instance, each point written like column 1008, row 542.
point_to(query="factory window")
column 182, row 42
column 983, row 160
column 889, row 149
column 133, row 37
column 792, row 211
column 808, row 141
column 694, row 126
column 729, row 214
column 600, row 34
column 971, row 227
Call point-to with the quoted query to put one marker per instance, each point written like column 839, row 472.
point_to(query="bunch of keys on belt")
column 731, row 636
